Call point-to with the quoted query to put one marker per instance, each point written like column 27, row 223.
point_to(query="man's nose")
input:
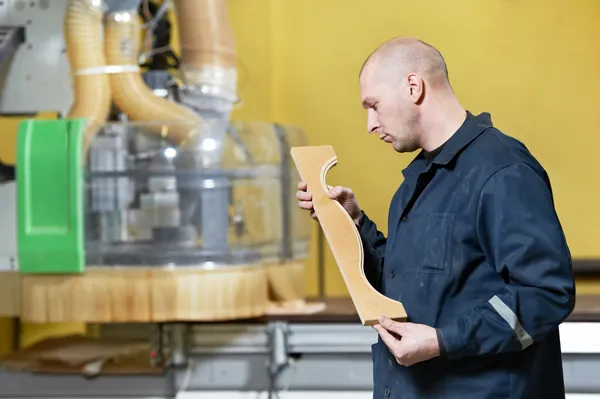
column 372, row 124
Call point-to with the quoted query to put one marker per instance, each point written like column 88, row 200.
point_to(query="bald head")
column 409, row 101
column 403, row 55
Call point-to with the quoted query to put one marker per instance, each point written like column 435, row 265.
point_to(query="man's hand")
column 343, row 195
column 409, row 343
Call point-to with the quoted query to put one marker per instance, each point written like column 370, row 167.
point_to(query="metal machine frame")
column 287, row 358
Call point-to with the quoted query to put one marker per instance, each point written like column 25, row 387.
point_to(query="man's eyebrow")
column 367, row 102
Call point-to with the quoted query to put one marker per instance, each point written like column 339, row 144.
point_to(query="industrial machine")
column 149, row 212
column 144, row 186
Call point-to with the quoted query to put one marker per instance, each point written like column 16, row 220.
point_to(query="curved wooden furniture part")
column 313, row 163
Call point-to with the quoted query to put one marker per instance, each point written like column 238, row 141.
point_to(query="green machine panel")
column 50, row 189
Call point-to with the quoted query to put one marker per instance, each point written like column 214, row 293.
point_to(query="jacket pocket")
column 431, row 242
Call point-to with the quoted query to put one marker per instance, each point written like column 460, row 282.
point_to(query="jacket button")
column 404, row 219
column 387, row 393
column 393, row 274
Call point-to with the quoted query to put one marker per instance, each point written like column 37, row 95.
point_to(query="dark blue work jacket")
column 476, row 250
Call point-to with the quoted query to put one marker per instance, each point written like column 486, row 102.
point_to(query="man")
column 475, row 250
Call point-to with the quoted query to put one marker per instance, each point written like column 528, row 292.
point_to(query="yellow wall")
column 538, row 77
column 532, row 64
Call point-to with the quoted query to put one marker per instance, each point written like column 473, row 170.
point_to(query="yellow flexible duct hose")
column 207, row 43
column 83, row 39
column 132, row 95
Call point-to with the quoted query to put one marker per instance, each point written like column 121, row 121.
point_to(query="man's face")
column 391, row 113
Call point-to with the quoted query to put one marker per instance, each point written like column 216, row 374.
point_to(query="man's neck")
column 446, row 118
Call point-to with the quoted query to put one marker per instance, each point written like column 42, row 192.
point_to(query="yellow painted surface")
column 32, row 333
column 299, row 60
column 587, row 286
column 6, row 335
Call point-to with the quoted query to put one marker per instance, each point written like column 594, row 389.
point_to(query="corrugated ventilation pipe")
column 110, row 72
column 83, row 38
column 208, row 70
column 208, row 58
column 130, row 92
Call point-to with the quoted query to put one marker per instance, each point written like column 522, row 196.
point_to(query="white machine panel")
column 37, row 78
column 8, row 227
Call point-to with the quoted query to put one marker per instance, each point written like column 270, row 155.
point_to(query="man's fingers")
column 332, row 193
column 393, row 343
column 305, row 199
column 394, row 326
column 335, row 192
column 386, row 336
column 303, row 196
column 305, row 205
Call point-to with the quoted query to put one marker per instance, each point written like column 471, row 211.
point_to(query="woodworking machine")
column 142, row 201
column 143, row 186
column 144, row 209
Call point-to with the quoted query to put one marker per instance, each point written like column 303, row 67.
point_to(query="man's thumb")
column 333, row 192
column 391, row 325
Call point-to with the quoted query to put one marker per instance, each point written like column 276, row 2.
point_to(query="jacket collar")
column 471, row 128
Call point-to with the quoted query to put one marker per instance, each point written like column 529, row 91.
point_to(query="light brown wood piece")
column 100, row 295
column 10, row 293
column 300, row 307
column 228, row 293
column 76, row 355
column 313, row 163
column 287, row 281
column 146, row 294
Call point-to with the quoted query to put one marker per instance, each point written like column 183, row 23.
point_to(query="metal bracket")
column 279, row 359
column 179, row 342
column 278, row 333
column 284, row 149
column 10, row 39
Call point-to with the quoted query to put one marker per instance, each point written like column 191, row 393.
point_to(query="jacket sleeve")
column 373, row 242
column 521, row 237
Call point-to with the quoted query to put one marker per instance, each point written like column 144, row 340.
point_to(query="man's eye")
column 374, row 107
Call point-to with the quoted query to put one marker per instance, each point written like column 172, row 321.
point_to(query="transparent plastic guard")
column 153, row 200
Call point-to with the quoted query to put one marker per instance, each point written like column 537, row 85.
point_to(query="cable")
column 187, row 378
column 157, row 53
column 164, row 7
column 273, row 377
column 294, row 370
column 7, row 172
column 153, row 52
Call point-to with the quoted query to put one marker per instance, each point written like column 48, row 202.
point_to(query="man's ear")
column 416, row 88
